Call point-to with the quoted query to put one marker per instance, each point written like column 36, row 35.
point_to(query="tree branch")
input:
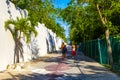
column 101, row 17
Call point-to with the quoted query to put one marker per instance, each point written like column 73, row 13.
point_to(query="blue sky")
column 62, row 4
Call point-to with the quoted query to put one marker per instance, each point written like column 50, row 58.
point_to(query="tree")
column 105, row 9
column 81, row 21
column 90, row 19
column 20, row 28
column 41, row 11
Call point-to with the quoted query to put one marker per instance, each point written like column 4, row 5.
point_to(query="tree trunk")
column 17, row 50
column 104, row 21
column 16, row 54
column 109, row 46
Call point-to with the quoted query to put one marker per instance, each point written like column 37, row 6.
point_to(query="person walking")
column 79, row 51
column 73, row 52
column 64, row 50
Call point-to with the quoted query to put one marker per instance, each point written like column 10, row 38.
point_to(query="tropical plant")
column 20, row 28
column 41, row 11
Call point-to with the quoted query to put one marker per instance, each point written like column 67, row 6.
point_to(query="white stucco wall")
column 39, row 46
column 41, row 39
column 6, row 40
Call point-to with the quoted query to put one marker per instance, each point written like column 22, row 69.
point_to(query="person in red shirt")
column 73, row 52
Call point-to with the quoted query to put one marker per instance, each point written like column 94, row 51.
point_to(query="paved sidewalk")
column 52, row 67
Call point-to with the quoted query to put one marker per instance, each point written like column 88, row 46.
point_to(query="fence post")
column 99, row 50
column 91, row 50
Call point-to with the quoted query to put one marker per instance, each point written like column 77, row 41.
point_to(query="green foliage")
column 117, row 38
column 85, row 22
column 20, row 26
column 107, row 66
column 41, row 11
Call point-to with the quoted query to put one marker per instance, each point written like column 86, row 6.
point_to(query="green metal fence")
column 97, row 49
column 116, row 50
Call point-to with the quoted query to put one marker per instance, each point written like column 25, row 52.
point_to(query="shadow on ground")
column 58, row 70
column 37, row 76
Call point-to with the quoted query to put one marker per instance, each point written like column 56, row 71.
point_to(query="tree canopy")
column 85, row 21
column 41, row 11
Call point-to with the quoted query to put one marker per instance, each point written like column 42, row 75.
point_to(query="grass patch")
column 115, row 68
